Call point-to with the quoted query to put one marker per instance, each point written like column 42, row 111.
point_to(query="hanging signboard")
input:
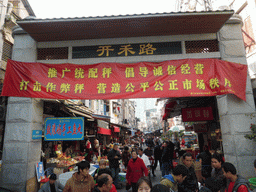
column 66, row 128
column 175, row 78
column 197, row 114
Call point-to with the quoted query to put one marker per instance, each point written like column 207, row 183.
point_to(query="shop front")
column 204, row 121
column 201, row 119
column 139, row 62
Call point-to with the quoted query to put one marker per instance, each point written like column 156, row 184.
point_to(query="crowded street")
column 140, row 96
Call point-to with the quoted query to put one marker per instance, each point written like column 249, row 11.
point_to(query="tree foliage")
column 252, row 136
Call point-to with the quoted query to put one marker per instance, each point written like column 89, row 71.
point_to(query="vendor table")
column 65, row 176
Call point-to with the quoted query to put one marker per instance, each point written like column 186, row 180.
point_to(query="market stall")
column 191, row 143
column 61, row 146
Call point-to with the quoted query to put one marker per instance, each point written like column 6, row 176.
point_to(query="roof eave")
column 113, row 17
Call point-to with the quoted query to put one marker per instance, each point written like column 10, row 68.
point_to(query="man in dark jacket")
column 52, row 185
column 205, row 159
column 157, row 156
column 167, row 156
column 150, row 142
column 113, row 157
column 148, row 151
column 190, row 183
column 104, row 183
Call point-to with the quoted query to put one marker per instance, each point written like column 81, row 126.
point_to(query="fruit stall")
column 64, row 162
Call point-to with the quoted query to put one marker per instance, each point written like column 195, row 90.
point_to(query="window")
column 7, row 50
column 203, row 46
column 52, row 53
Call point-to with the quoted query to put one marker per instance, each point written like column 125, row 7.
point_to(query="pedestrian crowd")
column 140, row 166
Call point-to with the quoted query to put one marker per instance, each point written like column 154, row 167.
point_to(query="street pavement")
column 155, row 180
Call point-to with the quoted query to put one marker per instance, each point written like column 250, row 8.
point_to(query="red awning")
column 116, row 129
column 104, row 131
column 168, row 108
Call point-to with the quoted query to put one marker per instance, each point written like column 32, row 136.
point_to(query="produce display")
column 65, row 161
column 70, row 161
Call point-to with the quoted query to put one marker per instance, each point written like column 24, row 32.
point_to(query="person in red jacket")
column 135, row 170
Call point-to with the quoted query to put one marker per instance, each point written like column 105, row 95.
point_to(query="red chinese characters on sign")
column 48, row 131
column 79, row 129
column 74, row 130
column 197, row 114
column 69, row 127
column 59, row 130
column 64, row 129
column 53, row 129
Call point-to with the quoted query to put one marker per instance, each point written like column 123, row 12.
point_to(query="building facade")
column 197, row 39
column 10, row 12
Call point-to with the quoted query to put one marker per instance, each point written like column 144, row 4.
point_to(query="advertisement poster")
column 40, row 171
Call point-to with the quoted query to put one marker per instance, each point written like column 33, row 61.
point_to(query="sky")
column 142, row 105
column 86, row 8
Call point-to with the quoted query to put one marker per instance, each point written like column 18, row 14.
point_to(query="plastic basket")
column 252, row 182
column 122, row 177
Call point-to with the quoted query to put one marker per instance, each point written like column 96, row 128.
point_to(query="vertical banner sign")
column 175, row 78
column 66, row 128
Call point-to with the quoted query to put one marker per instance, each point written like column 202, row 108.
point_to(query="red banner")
column 175, row 78
column 197, row 114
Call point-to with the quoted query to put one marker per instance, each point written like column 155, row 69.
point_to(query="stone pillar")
column 235, row 114
column 20, row 152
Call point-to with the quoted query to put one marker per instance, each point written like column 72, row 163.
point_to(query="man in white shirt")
column 144, row 158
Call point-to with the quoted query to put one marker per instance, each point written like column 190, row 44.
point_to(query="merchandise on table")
column 64, row 161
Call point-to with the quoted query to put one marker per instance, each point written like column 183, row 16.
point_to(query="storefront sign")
column 70, row 128
column 197, row 114
column 102, row 124
column 175, row 78
column 36, row 134
column 124, row 50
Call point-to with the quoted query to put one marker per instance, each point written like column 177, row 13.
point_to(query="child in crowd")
column 102, row 165
column 144, row 184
